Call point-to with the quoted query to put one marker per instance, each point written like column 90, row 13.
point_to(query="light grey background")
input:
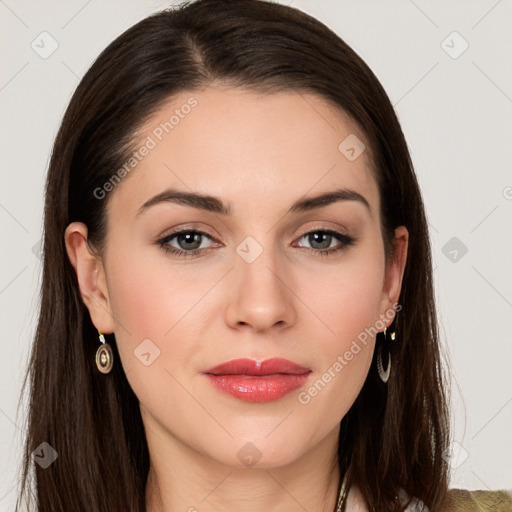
column 455, row 111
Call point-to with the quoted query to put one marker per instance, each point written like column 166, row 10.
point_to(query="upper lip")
column 256, row 368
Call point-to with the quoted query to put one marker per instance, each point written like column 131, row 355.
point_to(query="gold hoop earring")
column 104, row 356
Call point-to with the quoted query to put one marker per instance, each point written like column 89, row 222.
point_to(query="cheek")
column 149, row 294
column 146, row 304
column 346, row 297
column 159, row 311
column 345, row 305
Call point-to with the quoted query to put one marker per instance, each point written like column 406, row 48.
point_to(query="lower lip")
column 258, row 389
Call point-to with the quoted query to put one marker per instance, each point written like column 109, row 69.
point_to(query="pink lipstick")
column 255, row 381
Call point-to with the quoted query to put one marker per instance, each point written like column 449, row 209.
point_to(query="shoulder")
column 458, row 500
column 462, row 500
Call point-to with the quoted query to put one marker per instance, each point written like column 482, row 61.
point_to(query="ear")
column 91, row 277
column 394, row 274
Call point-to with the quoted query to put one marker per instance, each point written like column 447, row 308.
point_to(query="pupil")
column 320, row 237
column 190, row 238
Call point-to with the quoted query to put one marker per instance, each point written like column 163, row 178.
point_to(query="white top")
column 355, row 501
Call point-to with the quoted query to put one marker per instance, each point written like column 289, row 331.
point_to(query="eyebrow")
column 216, row 205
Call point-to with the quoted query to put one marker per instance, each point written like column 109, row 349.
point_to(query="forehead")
column 252, row 149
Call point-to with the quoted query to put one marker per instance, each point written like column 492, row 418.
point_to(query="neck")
column 182, row 479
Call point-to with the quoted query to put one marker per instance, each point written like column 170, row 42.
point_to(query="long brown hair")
column 394, row 435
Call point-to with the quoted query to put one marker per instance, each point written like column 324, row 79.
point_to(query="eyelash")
column 180, row 253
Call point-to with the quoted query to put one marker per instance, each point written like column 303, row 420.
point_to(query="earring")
column 384, row 374
column 104, row 356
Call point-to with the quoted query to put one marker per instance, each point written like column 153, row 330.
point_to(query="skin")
column 259, row 154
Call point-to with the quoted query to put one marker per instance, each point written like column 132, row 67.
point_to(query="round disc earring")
column 104, row 356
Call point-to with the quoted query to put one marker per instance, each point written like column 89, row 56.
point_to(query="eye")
column 189, row 242
column 321, row 241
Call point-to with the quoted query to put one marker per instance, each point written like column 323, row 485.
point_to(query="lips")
column 257, row 369
column 253, row 381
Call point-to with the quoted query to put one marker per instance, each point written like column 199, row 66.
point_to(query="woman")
column 288, row 358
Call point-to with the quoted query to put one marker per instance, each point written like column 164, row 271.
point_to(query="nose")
column 261, row 295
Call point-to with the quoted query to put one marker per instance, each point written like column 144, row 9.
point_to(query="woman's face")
column 251, row 277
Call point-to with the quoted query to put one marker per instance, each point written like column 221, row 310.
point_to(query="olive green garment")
column 462, row 500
